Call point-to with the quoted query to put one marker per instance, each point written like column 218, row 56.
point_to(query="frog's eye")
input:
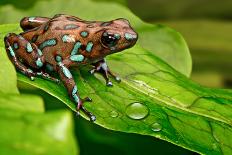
column 109, row 40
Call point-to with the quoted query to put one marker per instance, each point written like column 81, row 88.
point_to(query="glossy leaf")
column 162, row 41
column 168, row 105
column 176, row 109
column 7, row 74
column 25, row 129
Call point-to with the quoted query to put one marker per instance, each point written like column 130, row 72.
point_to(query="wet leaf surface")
column 153, row 99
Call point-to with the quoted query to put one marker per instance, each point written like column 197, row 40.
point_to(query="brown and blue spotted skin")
column 55, row 44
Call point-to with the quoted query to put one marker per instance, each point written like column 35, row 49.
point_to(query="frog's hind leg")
column 28, row 23
column 20, row 50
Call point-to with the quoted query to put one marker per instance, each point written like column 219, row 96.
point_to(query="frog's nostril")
column 130, row 36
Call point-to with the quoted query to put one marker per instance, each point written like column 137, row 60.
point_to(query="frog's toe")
column 87, row 99
column 32, row 78
column 92, row 118
column 109, row 84
column 118, row 79
column 77, row 113
column 92, row 71
column 57, row 81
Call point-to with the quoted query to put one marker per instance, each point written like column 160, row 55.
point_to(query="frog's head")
column 117, row 36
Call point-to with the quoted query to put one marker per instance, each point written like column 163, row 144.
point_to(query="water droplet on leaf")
column 214, row 146
column 137, row 111
column 114, row 114
column 156, row 127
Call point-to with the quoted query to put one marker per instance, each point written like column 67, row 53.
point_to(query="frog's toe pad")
column 92, row 71
column 109, row 84
column 87, row 99
column 92, row 118
column 77, row 113
column 118, row 79
column 58, row 81
column 32, row 78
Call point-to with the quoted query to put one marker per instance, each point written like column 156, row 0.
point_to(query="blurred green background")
column 206, row 26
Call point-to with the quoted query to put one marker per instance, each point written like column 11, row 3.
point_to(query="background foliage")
column 202, row 45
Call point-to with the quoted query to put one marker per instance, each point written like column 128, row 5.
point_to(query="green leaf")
column 122, row 2
column 175, row 109
column 21, row 103
column 25, row 129
column 168, row 105
column 172, row 107
column 162, row 41
column 7, row 75
column 7, row 72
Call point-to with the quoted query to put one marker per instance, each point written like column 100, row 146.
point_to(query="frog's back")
column 58, row 36
column 64, row 35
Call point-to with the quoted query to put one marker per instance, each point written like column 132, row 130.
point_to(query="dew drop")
column 156, row 127
column 214, row 146
column 114, row 114
column 137, row 111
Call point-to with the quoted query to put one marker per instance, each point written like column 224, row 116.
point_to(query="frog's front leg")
column 71, row 87
column 102, row 68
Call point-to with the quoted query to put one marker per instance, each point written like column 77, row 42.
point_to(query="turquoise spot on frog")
column 89, row 46
column 12, row 53
column 50, row 42
column 77, row 58
column 74, row 94
column 74, row 91
column 39, row 52
column 16, row 46
column 130, row 36
column 65, row 70
column 29, row 48
column 71, row 26
column 31, row 19
column 58, row 58
column 84, row 33
column 76, row 48
column 39, row 63
column 76, row 98
column 67, row 38
column 29, row 71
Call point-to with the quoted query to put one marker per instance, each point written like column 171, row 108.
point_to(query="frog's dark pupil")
column 109, row 40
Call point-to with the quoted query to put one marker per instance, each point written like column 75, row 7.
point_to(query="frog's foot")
column 47, row 76
column 82, row 108
column 29, row 73
column 91, row 116
column 102, row 68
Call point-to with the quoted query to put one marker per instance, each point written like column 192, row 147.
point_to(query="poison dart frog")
column 55, row 44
